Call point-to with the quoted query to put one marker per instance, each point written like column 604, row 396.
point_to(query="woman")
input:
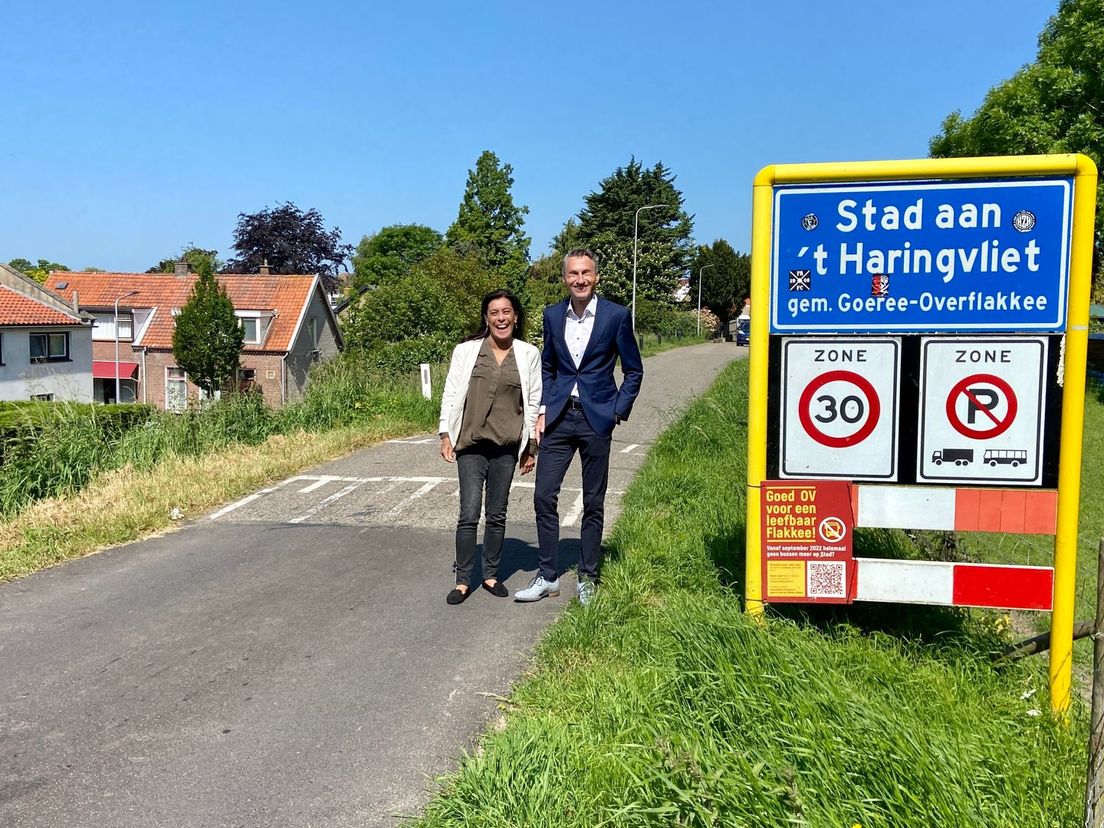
column 488, row 410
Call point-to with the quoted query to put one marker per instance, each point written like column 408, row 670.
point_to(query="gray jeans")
column 488, row 466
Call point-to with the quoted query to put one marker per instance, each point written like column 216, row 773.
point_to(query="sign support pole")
column 1073, row 421
column 757, row 384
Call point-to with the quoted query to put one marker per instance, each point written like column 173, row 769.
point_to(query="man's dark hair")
column 578, row 253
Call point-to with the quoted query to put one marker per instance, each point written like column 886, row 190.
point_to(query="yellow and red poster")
column 806, row 530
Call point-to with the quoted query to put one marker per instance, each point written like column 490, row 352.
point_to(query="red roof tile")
column 16, row 309
column 286, row 295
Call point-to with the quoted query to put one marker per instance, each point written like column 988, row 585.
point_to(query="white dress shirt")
column 577, row 331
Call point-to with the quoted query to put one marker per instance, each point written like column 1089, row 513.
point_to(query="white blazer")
column 459, row 374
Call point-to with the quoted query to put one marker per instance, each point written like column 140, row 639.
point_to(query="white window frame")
column 251, row 321
column 104, row 328
column 182, row 380
column 262, row 321
column 51, row 338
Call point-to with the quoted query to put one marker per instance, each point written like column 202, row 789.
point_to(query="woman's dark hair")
column 485, row 330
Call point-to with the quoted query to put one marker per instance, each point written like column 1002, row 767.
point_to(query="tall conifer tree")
column 207, row 339
column 490, row 224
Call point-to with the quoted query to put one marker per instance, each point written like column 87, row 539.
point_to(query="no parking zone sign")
column 982, row 416
column 839, row 408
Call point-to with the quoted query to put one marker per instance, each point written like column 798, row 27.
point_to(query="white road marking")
column 401, row 505
column 412, row 441
column 630, row 447
column 576, row 510
column 337, row 495
column 318, row 484
column 236, row 505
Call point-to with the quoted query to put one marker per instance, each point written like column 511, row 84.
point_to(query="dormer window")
column 254, row 325
column 252, row 328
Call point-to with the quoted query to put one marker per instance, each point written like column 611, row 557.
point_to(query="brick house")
column 45, row 343
column 289, row 326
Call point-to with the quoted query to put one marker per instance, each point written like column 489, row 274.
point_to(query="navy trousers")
column 569, row 434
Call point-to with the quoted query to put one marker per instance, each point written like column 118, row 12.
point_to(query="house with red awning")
column 288, row 322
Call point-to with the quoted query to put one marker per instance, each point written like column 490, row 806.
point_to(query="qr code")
column 827, row 579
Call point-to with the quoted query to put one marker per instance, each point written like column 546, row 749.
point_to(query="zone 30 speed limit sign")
column 839, row 408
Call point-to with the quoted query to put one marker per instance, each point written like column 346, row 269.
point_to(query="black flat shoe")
column 457, row 596
column 498, row 590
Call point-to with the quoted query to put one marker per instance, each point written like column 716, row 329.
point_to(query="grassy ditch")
column 107, row 492
column 662, row 704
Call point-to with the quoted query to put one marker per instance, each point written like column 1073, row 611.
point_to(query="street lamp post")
column 124, row 296
column 700, row 272
column 636, row 223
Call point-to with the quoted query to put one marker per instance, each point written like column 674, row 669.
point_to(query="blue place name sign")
column 917, row 257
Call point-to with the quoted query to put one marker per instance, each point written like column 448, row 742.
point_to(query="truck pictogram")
column 958, row 456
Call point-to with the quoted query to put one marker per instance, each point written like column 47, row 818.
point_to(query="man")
column 580, row 405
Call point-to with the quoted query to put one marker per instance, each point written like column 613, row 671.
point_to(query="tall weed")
column 72, row 444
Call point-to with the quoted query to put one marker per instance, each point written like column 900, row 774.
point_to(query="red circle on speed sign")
column 962, row 388
column 864, row 431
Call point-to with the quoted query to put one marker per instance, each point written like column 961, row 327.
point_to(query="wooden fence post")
column 1094, row 781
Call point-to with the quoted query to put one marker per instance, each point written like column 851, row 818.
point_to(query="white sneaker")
column 538, row 588
column 585, row 589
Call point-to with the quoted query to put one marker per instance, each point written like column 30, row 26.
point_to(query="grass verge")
column 661, row 703
column 128, row 503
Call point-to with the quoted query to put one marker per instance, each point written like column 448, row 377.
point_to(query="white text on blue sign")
column 916, row 257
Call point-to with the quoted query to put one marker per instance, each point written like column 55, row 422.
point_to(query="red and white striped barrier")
column 954, row 584
column 1019, row 511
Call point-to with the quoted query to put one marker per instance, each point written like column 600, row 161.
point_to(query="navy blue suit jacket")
column 612, row 337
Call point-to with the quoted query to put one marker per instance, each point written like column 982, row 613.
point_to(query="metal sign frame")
column 1084, row 174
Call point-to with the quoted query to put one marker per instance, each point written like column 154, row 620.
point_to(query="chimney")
column 76, row 302
column 181, row 269
column 265, row 270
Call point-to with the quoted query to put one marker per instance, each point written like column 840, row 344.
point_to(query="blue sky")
column 135, row 128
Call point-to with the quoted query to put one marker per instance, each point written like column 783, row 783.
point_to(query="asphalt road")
column 288, row 659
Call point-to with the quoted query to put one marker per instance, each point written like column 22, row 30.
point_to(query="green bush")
column 52, row 448
column 665, row 319
column 436, row 301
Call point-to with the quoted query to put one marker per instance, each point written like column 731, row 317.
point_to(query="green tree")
column 389, row 254
column 1053, row 105
column 194, row 256
column 207, row 339
column 664, row 245
column 39, row 271
column 490, row 224
column 727, row 281
column 420, row 316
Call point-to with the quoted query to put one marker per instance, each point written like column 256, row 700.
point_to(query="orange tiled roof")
column 16, row 309
column 286, row 295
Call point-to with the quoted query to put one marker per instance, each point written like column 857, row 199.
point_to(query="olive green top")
column 492, row 410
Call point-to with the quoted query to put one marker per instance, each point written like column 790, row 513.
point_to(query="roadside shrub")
column 665, row 319
column 51, row 454
column 438, row 300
